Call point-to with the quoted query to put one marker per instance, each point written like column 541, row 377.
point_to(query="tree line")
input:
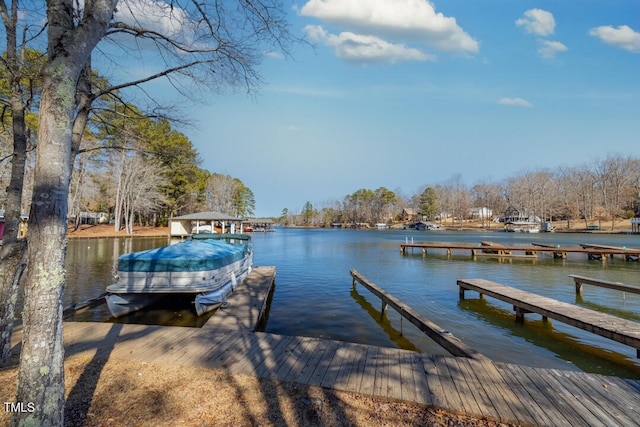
column 602, row 190
column 137, row 168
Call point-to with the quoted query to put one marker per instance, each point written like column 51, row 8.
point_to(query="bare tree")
column 612, row 176
column 488, row 195
column 137, row 186
column 221, row 190
column 224, row 44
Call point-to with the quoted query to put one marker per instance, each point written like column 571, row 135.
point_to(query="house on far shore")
column 409, row 214
column 204, row 222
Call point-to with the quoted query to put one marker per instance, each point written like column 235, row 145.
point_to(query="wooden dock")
column 507, row 392
column 527, row 251
column 247, row 307
column 545, row 397
column 442, row 337
column 618, row 286
column 615, row 328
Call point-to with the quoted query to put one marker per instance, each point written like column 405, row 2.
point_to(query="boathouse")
column 258, row 224
column 204, row 222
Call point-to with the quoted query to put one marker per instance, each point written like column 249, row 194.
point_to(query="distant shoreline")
column 107, row 230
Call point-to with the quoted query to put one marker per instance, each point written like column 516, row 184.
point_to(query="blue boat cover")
column 190, row 255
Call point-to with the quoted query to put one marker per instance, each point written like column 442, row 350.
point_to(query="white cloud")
column 515, row 102
column 273, row 54
column 549, row 49
column 538, row 21
column 361, row 50
column 152, row 15
column 398, row 20
column 623, row 36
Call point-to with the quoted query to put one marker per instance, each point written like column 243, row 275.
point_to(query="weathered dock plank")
column 463, row 389
column 615, row 328
column 338, row 364
column 300, row 358
column 353, row 352
column 503, row 399
column 247, row 303
column 273, row 357
column 530, row 388
column 444, row 391
column 369, row 372
column 261, row 348
column 422, row 392
column 324, row 363
column 357, row 370
column 393, row 372
column 318, row 352
column 592, row 399
column 436, row 390
column 222, row 356
column 577, row 402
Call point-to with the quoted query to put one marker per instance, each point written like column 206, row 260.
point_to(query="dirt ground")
column 122, row 393
column 106, row 230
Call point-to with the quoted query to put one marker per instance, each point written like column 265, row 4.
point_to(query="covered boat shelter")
column 258, row 224
column 204, row 222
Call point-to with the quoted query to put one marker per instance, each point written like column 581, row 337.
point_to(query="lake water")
column 314, row 294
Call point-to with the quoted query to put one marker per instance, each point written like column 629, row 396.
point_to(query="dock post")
column 578, row 287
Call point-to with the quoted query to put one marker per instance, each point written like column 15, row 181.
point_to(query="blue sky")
column 407, row 93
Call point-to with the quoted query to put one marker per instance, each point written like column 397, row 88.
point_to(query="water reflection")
column 383, row 321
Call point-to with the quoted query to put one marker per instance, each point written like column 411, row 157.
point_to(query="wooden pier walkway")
column 615, row 328
column 528, row 251
column 248, row 303
column 618, row 286
column 508, row 392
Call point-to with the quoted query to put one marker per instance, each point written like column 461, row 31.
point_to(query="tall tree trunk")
column 41, row 376
column 12, row 250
